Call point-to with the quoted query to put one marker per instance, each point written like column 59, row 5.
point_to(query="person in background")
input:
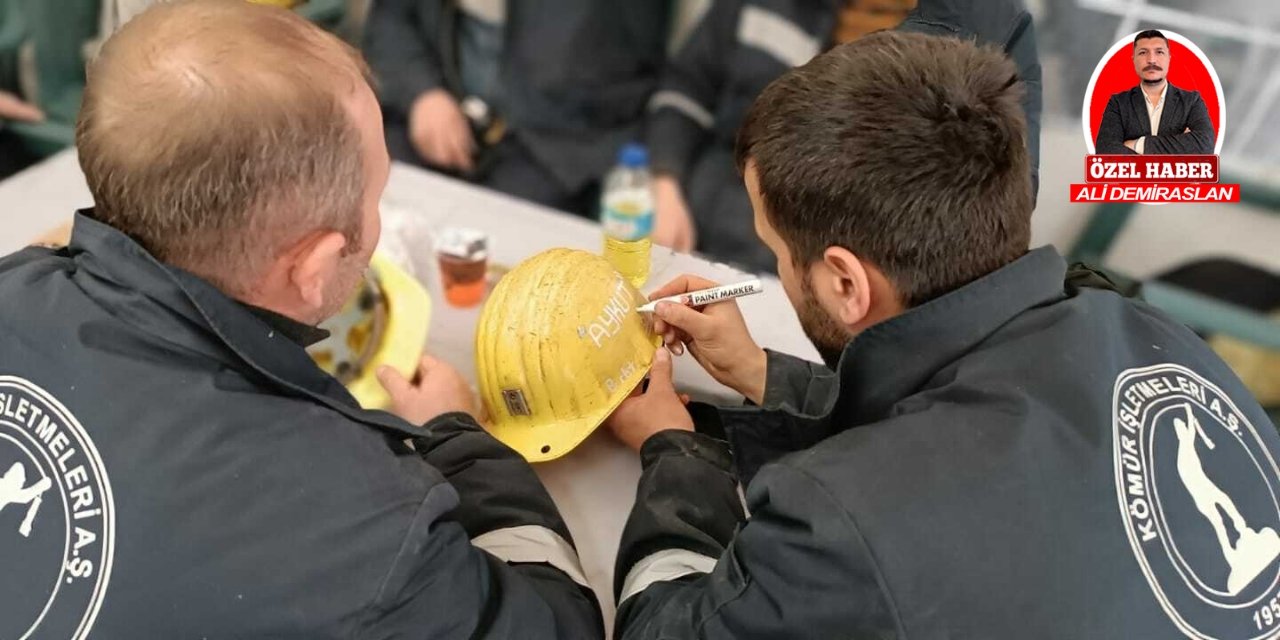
column 222, row 485
column 532, row 99
column 994, row 436
column 737, row 48
column 13, row 157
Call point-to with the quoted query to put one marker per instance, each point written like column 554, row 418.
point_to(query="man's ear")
column 846, row 285
column 316, row 263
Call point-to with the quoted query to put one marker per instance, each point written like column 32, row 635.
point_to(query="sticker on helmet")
column 516, row 404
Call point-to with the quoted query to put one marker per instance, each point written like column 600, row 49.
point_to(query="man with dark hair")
column 1155, row 117
column 954, row 471
column 155, row 388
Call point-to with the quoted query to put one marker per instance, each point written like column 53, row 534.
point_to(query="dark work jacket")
column 740, row 46
column 1126, row 119
column 575, row 74
column 203, row 478
column 1019, row 458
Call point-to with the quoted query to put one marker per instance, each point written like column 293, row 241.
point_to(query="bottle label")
column 628, row 226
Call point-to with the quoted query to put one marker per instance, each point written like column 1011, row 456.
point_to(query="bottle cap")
column 633, row 155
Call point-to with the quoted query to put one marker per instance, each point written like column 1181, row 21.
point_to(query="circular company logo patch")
column 1198, row 493
column 57, row 518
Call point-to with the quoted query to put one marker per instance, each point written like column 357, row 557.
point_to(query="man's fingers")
column 460, row 143
column 14, row 108
column 697, row 325
column 669, row 333
column 444, row 148
column 444, row 152
column 422, row 145
column 462, row 146
column 617, row 418
column 24, row 112
column 426, row 364
column 674, row 340
column 682, row 284
column 437, row 153
column 685, row 243
column 454, row 155
column 660, row 374
column 466, row 163
column 393, row 382
column 684, row 238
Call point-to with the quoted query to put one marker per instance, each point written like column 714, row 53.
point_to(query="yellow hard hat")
column 559, row 346
column 384, row 323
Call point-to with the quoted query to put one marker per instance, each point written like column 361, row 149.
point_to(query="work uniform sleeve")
column 488, row 555
column 798, row 385
column 798, row 395
column 681, row 111
column 400, row 45
column 798, row 569
column 1198, row 140
column 1111, row 131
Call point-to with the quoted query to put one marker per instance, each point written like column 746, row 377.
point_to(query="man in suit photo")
column 1155, row 117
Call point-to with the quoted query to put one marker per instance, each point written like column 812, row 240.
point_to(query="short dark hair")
column 906, row 149
column 1149, row 33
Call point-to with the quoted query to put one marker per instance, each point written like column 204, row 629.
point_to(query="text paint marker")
column 708, row 296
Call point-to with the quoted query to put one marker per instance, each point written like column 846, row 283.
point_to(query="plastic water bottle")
column 627, row 214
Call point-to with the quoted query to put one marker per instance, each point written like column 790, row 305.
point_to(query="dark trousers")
column 507, row 167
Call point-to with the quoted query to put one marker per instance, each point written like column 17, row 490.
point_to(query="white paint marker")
column 708, row 296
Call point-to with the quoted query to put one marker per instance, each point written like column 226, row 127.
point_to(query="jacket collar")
column 895, row 358
column 304, row 335
column 186, row 305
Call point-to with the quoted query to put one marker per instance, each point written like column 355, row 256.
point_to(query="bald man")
column 207, row 480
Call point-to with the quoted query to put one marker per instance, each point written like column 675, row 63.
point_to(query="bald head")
column 218, row 133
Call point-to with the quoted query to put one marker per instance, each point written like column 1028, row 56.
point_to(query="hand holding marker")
column 715, row 334
column 707, row 296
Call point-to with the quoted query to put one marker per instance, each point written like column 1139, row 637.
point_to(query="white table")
column 594, row 485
